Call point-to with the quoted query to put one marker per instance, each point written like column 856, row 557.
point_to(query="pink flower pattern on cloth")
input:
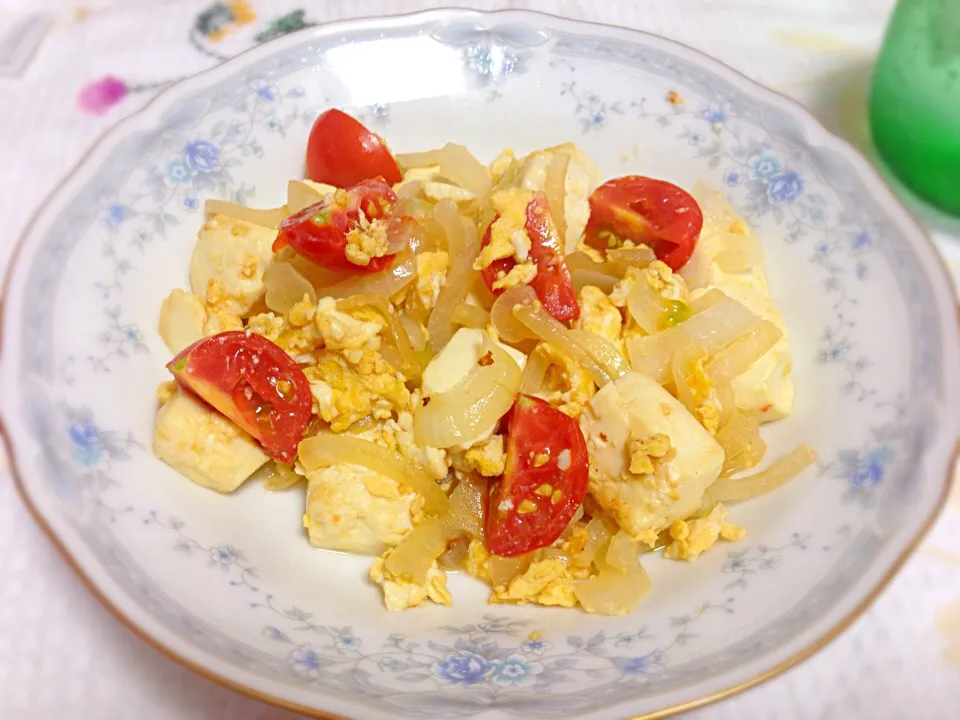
column 100, row 95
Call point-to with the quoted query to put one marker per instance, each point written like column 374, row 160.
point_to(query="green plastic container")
column 915, row 99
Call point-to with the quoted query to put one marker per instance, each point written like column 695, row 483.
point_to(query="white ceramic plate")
column 229, row 585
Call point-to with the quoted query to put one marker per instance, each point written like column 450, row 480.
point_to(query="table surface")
column 63, row 655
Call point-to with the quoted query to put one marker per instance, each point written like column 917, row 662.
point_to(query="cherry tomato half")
column 552, row 283
column 644, row 210
column 319, row 231
column 342, row 152
column 544, row 483
column 254, row 383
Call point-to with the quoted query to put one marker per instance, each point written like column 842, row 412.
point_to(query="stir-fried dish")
column 518, row 370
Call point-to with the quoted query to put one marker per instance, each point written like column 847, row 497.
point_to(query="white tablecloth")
column 62, row 655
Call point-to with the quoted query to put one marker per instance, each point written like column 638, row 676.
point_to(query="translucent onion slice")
column 285, row 287
column 581, row 261
column 612, row 592
column 387, row 283
column 582, row 278
column 440, row 326
column 682, row 372
column 428, row 235
column 603, row 351
column 708, row 331
column 454, row 231
column 502, row 318
column 319, row 277
column 400, row 232
column 728, row 401
column 300, row 195
column 282, row 477
column 623, row 552
column 534, row 372
column 554, row 187
column 270, row 218
column 729, row 490
column 740, row 355
column 504, row 569
column 471, row 316
column 456, row 163
column 398, row 350
column 509, row 176
column 743, row 447
column 475, row 403
column 548, row 329
column 646, row 306
column 415, row 553
column 638, row 257
column 326, row 449
column 466, row 506
column 455, row 556
column 414, row 332
column 422, row 159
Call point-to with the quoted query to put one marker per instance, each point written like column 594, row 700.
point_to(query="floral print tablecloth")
column 62, row 655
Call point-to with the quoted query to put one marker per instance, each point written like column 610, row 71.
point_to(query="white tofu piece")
column 182, row 319
column 453, row 363
column 203, row 445
column 636, row 407
column 357, row 510
column 321, row 188
column 583, row 177
column 228, row 261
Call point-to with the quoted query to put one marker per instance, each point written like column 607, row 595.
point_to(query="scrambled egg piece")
column 767, row 387
column 598, row 314
column 519, row 274
column 635, row 407
column 367, row 240
column 228, row 261
column 500, row 164
column 203, row 445
column 566, row 385
column 432, row 270
column 398, row 435
column 659, row 275
column 342, row 331
column 433, row 189
column 646, row 452
column 508, row 235
column 582, row 178
column 548, row 581
column 689, row 538
column 488, row 459
column 345, row 391
column 220, row 320
column 400, row 593
column 705, row 399
column 355, row 509
column 182, row 317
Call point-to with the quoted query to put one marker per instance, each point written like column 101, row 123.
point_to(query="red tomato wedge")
column 552, row 283
column 342, row 152
column 544, row 483
column 254, row 383
column 319, row 231
column 653, row 212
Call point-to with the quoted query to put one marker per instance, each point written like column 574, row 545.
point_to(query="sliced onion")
column 475, row 403
column 459, row 164
column 743, row 447
column 301, row 195
column 327, row 449
column 728, row 401
column 270, row 218
column 554, row 187
column 453, row 227
column 611, row 592
column 285, row 287
column 387, row 283
column 603, row 351
column 708, row 331
column 583, row 278
column 509, row 176
column 415, row 553
column 455, row 556
column 581, row 261
column 398, row 351
column 319, row 277
column 504, row 569
column 440, row 326
column 638, row 257
column 599, row 531
column 646, row 306
column 707, row 300
column 466, row 506
column 534, row 372
column 400, row 232
column 409, row 190
column 740, row 355
column 419, row 159
column 681, row 370
column 548, row 329
column 622, row 552
column 729, row 490
column 282, row 477
column 414, row 332
column 429, row 235
column 471, row 316
column 504, row 321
